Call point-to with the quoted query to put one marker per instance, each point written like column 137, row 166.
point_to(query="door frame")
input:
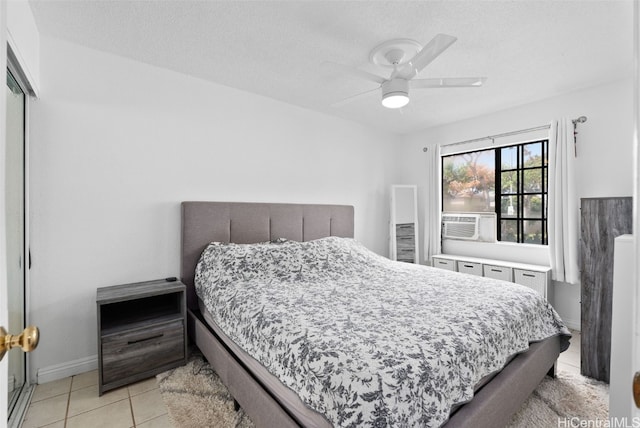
column 4, row 317
column 635, row 339
column 22, row 401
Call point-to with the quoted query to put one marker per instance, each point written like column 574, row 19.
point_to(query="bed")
column 265, row 401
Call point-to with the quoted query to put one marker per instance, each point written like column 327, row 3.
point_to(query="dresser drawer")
column 444, row 263
column 498, row 272
column 531, row 279
column 132, row 352
column 470, row 267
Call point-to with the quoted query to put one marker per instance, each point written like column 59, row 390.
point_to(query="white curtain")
column 432, row 204
column 562, row 203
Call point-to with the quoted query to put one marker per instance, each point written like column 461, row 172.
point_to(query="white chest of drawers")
column 533, row 276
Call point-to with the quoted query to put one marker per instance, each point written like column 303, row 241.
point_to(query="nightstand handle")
column 131, row 342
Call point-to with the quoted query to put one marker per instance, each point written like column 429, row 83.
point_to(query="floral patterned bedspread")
column 364, row 340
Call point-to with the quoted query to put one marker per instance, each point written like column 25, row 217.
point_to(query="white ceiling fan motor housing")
column 395, row 93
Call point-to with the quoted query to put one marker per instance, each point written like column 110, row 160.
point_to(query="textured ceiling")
column 529, row 50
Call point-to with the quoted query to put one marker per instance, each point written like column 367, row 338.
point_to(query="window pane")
column 468, row 185
column 533, row 232
column 469, row 181
column 509, row 230
column 532, row 180
column 509, row 182
column 509, row 157
column 508, row 206
column 532, row 154
column 533, row 206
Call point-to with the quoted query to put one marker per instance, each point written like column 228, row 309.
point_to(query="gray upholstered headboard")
column 246, row 222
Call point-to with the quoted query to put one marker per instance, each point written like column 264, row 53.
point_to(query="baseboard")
column 70, row 368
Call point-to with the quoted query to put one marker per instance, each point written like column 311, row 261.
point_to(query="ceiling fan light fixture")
column 395, row 93
column 395, row 100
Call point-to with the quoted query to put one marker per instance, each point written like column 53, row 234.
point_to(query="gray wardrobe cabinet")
column 602, row 220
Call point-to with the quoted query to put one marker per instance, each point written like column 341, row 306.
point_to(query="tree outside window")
column 469, row 182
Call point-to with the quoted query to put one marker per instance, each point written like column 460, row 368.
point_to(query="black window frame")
column 519, row 193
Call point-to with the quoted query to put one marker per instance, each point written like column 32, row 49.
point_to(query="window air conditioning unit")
column 469, row 226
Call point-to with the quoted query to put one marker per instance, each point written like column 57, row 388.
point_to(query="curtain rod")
column 581, row 119
column 504, row 134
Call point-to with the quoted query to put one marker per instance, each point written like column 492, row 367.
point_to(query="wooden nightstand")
column 141, row 331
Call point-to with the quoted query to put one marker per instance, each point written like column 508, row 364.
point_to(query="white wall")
column 117, row 144
column 604, row 164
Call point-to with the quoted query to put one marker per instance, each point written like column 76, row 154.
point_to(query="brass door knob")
column 27, row 340
column 636, row 389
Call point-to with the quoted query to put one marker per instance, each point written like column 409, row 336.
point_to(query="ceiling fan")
column 407, row 58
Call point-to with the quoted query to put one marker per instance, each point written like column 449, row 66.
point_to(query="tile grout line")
column 91, row 409
column 70, row 390
column 66, row 412
column 95, row 408
column 133, row 417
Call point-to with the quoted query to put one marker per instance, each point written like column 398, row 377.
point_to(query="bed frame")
column 204, row 222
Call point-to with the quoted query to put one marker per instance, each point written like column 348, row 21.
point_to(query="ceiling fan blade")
column 353, row 97
column 427, row 54
column 332, row 66
column 451, row 82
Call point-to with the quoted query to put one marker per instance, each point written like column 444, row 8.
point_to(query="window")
column 510, row 181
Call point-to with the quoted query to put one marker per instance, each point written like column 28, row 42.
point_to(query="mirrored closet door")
column 15, row 235
column 404, row 224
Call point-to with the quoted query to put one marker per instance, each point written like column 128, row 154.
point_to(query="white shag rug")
column 568, row 400
column 195, row 397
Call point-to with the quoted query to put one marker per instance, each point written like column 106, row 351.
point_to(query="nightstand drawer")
column 132, row 352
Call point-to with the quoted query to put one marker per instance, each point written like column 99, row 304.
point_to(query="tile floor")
column 74, row 402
